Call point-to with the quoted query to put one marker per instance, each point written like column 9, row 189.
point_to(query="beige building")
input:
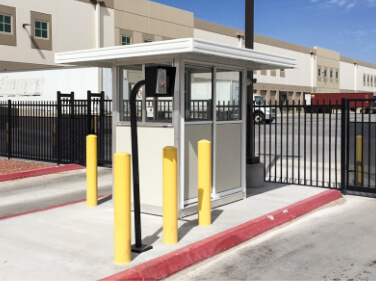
column 33, row 31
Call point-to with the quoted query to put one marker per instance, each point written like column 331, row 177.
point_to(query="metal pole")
column 9, row 129
column 249, row 34
column 59, row 128
column 138, row 247
column 343, row 144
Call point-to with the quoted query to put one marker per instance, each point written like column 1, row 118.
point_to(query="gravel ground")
column 8, row 166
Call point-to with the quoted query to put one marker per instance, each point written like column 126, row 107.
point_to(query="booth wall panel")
column 228, row 157
column 151, row 142
column 193, row 134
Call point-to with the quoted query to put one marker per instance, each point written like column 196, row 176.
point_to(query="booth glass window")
column 159, row 109
column 148, row 109
column 198, row 93
column 227, row 101
column 128, row 77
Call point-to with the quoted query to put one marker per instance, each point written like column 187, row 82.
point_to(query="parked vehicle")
column 262, row 113
column 319, row 102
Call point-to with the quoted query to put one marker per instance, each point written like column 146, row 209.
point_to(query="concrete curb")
column 173, row 262
column 40, row 172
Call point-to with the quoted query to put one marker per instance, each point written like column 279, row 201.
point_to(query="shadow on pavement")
column 265, row 188
column 104, row 199
column 190, row 224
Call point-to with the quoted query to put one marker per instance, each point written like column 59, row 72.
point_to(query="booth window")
column 148, row 109
column 159, row 108
column 198, row 93
column 128, row 77
column 227, row 102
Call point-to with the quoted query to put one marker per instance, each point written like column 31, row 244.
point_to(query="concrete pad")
column 76, row 242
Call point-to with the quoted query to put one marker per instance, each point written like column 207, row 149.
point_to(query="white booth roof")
column 187, row 48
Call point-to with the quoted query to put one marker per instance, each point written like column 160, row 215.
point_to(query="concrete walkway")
column 75, row 242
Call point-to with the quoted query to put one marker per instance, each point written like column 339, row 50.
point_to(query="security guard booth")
column 209, row 103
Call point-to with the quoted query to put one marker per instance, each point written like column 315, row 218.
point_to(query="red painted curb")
column 173, row 262
column 40, row 172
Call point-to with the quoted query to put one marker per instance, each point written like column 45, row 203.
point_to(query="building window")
column 331, row 73
column 126, row 40
column 319, row 72
column 336, row 74
column 8, row 30
column 5, row 23
column 364, row 79
column 41, row 29
column 282, row 73
column 147, row 40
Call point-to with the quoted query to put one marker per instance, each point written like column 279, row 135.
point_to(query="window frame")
column 125, row 36
column 3, row 24
column 142, row 101
column 41, row 42
column 41, row 29
column 9, row 38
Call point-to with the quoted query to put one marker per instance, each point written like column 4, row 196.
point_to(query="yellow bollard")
column 359, row 160
column 204, row 182
column 122, row 208
column 91, row 171
column 170, row 196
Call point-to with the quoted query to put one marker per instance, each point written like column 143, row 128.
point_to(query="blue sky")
column 346, row 26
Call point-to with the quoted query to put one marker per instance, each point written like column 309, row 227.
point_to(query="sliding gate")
column 301, row 144
column 331, row 145
column 359, row 148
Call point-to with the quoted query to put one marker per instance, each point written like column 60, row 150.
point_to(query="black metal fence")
column 359, row 148
column 327, row 145
column 55, row 131
column 299, row 145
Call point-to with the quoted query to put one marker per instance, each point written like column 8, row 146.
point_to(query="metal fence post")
column 58, row 141
column 343, row 144
column 89, row 130
column 9, row 129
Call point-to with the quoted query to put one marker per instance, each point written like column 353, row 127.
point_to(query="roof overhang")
column 188, row 48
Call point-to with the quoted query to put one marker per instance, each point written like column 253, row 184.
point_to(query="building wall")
column 71, row 25
column 347, row 71
column 328, row 66
column 143, row 19
column 291, row 84
column 74, row 26
column 44, row 84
